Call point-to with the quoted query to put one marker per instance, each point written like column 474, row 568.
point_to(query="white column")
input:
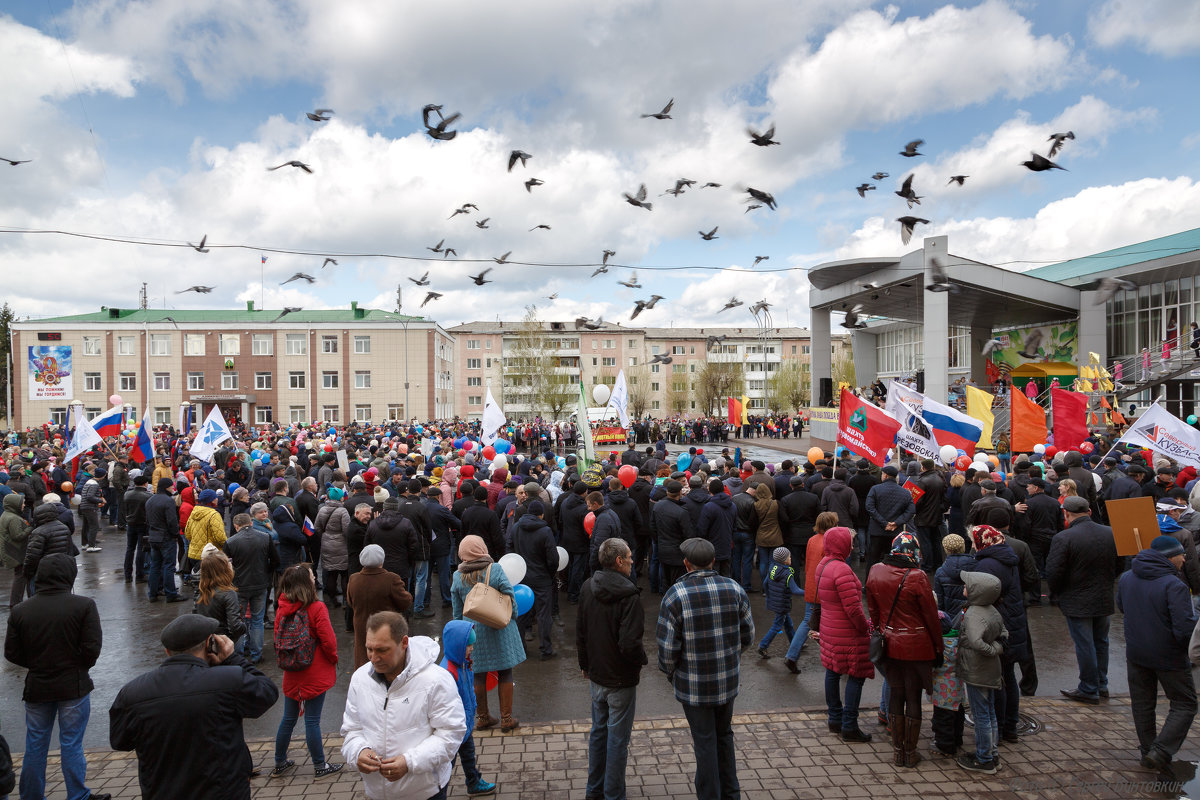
column 1093, row 328
column 936, row 335
column 821, row 364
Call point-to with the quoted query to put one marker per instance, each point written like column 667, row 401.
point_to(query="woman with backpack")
column 306, row 649
column 217, row 597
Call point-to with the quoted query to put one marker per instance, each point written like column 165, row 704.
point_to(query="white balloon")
column 514, row 567
column 600, row 394
column 981, row 457
column 948, row 453
column 563, row 557
column 1039, row 448
column 499, row 462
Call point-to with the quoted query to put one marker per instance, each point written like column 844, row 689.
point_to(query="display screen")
column 46, row 336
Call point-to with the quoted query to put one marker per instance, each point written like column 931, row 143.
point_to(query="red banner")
column 735, row 412
column 916, row 491
column 865, row 430
column 603, row 435
column 1070, row 417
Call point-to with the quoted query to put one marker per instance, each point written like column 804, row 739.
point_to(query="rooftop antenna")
column 142, row 298
column 399, row 298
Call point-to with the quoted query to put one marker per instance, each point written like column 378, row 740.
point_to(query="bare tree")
column 676, row 394
column 529, row 375
column 637, row 380
column 717, row 381
column 843, row 369
column 791, row 385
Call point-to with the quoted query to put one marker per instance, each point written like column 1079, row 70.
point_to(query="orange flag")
column 1104, row 403
column 1028, row 424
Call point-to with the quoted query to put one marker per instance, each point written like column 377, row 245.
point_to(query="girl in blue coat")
column 458, row 640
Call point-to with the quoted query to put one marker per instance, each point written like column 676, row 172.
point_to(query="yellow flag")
column 979, row 406
column 745, row 405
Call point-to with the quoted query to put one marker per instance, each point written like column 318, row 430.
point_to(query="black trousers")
column 877, row 548
column 716, row 759
column 671, row 573
column 948, row 728
column 1180, row 690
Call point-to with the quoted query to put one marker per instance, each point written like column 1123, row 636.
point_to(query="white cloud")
column 1164, row 27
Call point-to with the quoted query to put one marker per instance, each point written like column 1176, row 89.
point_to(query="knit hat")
column 1167, row 546
column 905, row 546
column 336, row 494
column 953, row 544
column 381, row 495
column 536, row 508
column 472, row 548
column 208, row 550
column 781, row 555
column 986, row 536
column 391, row 504
column 207, row 496
column 371, row 556
column 51, row 497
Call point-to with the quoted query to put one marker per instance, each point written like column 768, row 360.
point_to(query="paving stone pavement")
column 1081, row 752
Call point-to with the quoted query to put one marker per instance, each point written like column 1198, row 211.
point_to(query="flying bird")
column 940, row 281
column 536, row 227
column 639, row 199
column 851, row 320
column 197, row 289
column 439, row 131
column 906, row 191
column 910, row 149
column 320, row 115
column 13, row 163
column 599, row 270
column 437, row 248
column 299, row 276
column 446, row 253
column 906, row 227
column 172, row 321
column 765, row 139
column 863, row 188
column 1032, row 341
column 733, row 303
column 711, row 340
column 751, row 207
column 584, row 322
column 427, row 110
column 607, row 254
column 1059, row 139
column 430, row 296
column 878, row 176
column 1109, row 287
column 684, row 183
column 959, row 179
column 465, row 206
column 759, row 307
column 479, row 279
column 422, row 281
column 515, row 156
column 665, row 113
column 553, row 296
column 482, row 224
column 328, row 261
column 661, row 359
column 632, row 282
column 758, row 259
column 642, row 305
column 766, row 198
column 532, row 182
column 676, row 191
column 502, row 259
column 989, row 346
column 1040, row 163
column 711, row 185
column 287, row 310
column 458, row 211
column 296, row 164
column 708, row 237
column 200, row 248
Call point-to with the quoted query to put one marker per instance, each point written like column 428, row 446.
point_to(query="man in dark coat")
column 639, row 492
column 56, row 636
column 889, row 508
column 307, row 507
column 715, row 524
column 1126, row 484
column 394, row 532
column 1085, row 484
column 479, row 520
column 840, row 499
column 801, row 508
column 162, row 524
column 930, row 508
column 607, row 526
column 783, row 480
column 534, row 541
column 255, row 558
column 445, row 525
column 671, row 526
column 48, row 537
column 133, row 509
column 1043, row 519
column 633, row 524
column 697, row 496
column 572, row 512
column 1080, row 569
column 862, row 482
column 205, row 683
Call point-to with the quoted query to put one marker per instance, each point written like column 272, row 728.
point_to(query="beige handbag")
column 488, row 605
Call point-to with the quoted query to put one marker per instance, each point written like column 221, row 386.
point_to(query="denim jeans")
column 885, row 696
column 987, row 727
column 843, row 713
column 254, row 626
column 608, row 744
column 764, row 565
column 1090, row 635
column 656, row 579
column 113, row 498
column 801, row 635
column 39, row 723
column 420, row 582
column 743, row 558
column 135, row 556
column 442, row 563
column 781, row 623
column 712, row 742
column 91, row 526
column 312, row 728
column 162, row 568
column 1180, row 690
column 466, row 751
column 577, row 573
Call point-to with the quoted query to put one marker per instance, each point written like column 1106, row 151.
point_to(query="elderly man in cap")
column 185, row 717
column 704, row 624
column 889, row 508
column 1080, row 570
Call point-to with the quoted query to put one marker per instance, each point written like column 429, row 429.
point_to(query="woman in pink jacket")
column 449, row 485
column 845, row 635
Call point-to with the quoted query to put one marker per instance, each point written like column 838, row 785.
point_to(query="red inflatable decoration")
column 589, row 522
column 627, row 475
column 962, row 463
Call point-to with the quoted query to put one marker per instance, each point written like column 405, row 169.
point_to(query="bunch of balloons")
column 515, row 568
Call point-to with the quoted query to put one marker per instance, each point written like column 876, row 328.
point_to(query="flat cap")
column 888, row 470
column 673, row 487
column 1076, row 505
column 188, row 630
column 698, row 552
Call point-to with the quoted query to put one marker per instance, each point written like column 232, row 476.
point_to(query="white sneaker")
column 94, row 549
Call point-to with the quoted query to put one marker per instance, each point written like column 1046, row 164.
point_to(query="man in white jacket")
column 404, row 720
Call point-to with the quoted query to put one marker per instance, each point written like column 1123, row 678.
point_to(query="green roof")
column 241, row 316
column 1163, row 247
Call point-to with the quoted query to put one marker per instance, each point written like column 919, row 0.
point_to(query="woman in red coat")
column 305, row 689
column 902, row 605
column 844, row 635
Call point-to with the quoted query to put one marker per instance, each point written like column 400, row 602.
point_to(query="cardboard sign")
column 1134, row 524
column 916, row 491
column 343, row 462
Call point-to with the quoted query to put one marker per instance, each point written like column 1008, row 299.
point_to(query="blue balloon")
column 233, row 487
column 524, row 596
column 266, row 458
column 501, row 446
column 561, row 462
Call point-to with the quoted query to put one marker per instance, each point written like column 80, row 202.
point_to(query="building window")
column 793, row 349
column 229, row 381
column 474, row 381
column 655, row 405
column 262, row 415
column 296, row 381
column 329, row 380
column 162, row 381
column 631, row 343
column 609, row 344
column 329, row 344
column 162, row 416
column 193, row 344
column 679, row 368
column 91, row 381
column 595, row 361
column 654, row 386
column 804, row 349
column 474, row 363
column 693, row 350
column 677, row 350
column 263, row 344
column 91, row 345
column 125, row 346
column 395, row 411
column 127, row 382
column 608, row 362
column 633, row 361
column 160, row 344
column 297, row 344
column 262, row 380
column 474, row 400
column 296, row 414
column 58, row 416
column 362, row 379
column 488, row 344
column 654, row 368
column 362, row 344
column 362, row 413
column 331, row 413
column 472, row 344
column 195, row 381
column 229, row 344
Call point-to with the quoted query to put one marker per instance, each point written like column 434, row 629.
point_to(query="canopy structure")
column 1047, row 370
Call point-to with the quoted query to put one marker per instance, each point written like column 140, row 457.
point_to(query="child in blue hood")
column 458, row 640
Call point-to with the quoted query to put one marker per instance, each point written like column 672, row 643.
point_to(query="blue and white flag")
column 214, row 431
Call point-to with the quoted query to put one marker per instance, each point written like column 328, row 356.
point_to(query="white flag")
column 214, row 431
column 585, row 428
column 493, row 419
column 1163, row 432
column 619, row 399
column 905, row 405
column 85, row 439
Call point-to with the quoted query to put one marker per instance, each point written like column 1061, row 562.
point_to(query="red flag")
column 1028, row 424
column 866, row 430
column 735, row 412
column 1070, row 417
column 916, row 491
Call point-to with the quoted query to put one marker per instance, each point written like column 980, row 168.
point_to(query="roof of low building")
column 1162, row 247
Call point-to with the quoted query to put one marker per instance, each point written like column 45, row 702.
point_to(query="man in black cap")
column 889, row 508
column 1043, row 519
column 670, row 525
column 162, row 522
column 133, row 508
column 533, row 540
column 185, row 717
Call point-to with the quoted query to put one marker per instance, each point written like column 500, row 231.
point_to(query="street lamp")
column 762, row 315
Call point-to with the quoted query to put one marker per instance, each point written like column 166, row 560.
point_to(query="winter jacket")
column 801, row 508
column 48, row 537
column 571, row 515
column 134, row 506
column 1031, row 579
column 255, row 557
column 14, row 531
column 495, row 487
column 331, row 524
column 369, row 590
column 1158, row 613
column 412, row 508
column 608, row 630
column 427, row 731
column 455, row 635
column 226, row 609
column 494, row 649
column 479, row 520
column 948, row 584
column 862, row 482
column 981, row 633
column 1081, row 568
column 448, row 487
column 291, row 537
column 814, row 551
column 716, row 524
column 932, row 505
column 771, row 522
column 319, row 676
column 393, row 531
column 887, row 502
column 534, row 541
column 756, row 478
column 444, row 523
column 779, row 588
column 840, row 498
column 1001, row 561
column 639, row 493
column 844, row 626
column 205, row 526
column 55, row 635
column 90, row 495
column 747, row 518
column 693, row 503
column 608, row 526
column 162, row 518
column 187, row 502
column 909, row 621
column 671, row 525
column 630, row 516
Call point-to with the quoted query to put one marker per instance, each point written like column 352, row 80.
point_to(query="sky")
column 149, row 124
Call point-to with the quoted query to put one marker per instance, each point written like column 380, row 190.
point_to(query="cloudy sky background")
column 154, row 120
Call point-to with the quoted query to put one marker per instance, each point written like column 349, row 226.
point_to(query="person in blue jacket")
column 458, row 640
column 779, row 587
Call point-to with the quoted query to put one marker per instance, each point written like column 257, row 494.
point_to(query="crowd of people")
column 296, row 524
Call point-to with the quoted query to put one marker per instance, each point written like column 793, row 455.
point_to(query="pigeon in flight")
column 1059, row 139
column 632, row 282
column 197, row 289
column 766, row 198
column 427, row 110
column 989, row 346
column 607, row 254
column 708, row 237
column 906, row 191
column 959, row 179
column 502, row 259
column 906, row 227
column 878, row 176
column 661, row 359
column 458, row 211
column 733, row 303
column 320, row 115
column 532, row 182
column 711, row 185
column 542, row 227
column 446, row 253
column 437, row 248
column 200, row 248
column 296, row 164
column 479, row 279
column 863, row 188
column 758, row 259
column 940, row 280
column 553, row 296
column 423, row 280
column 851, row 320
column 759, row 307
column 430, row 296
column 676, row 191
column 665, row 113
column 299, row 276
column 515, row 156
column 287, row 310
column 684, row 183
column 328, row 261
column 13, row 163
column 712, row 340
column 765, row 139
column 642, row 305
column 910, row 149
column 465, row 206
column 599, row 270
column 751, row 207
column 639, row 199
column 1040, row 164
column 439, row 131
column 584, row 322
column 172, row 321
column 1109, row 287
column 1032, row 342
column 482, row 224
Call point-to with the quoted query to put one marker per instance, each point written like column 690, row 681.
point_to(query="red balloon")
column 1074, row 448
column 963, row 463
column 489, row 453
column 328, row 448
column 1086, row 448
column 627, row 475
column 589, row 522
column 1050, row 452
column 468, row 445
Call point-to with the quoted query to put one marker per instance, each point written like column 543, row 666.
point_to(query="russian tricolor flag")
column 309, row 530
column 111, row 422
column 950, row 426
column 143, row 443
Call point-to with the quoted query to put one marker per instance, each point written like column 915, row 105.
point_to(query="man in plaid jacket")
column 704, row 624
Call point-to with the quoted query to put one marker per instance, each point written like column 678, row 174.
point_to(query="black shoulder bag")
column 877, row 651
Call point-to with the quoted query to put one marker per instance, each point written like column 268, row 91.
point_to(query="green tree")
column 676, row 395
column 791, row 385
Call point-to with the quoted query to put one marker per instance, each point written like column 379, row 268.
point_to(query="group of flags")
column 89, row 433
